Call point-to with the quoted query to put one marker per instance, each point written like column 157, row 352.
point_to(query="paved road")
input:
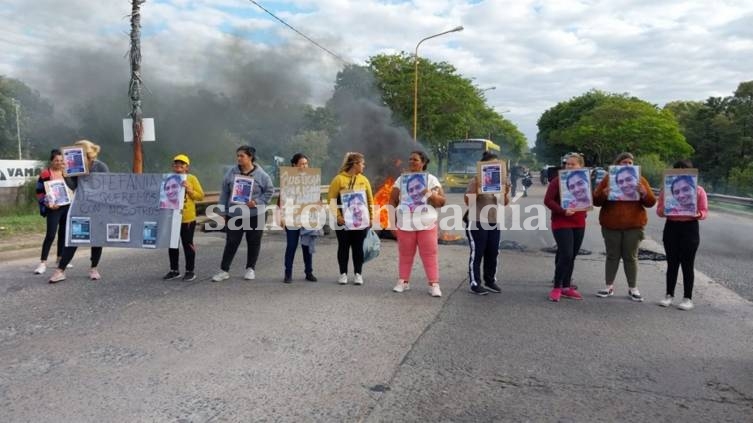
column 135, row 348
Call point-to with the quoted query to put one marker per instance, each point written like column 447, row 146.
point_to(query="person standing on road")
column 194, row 193
column 54, row 214
column 568, row 228
column 250, row 215
column 681, row 240
column 417, row 227
column 293, row 234
column 622, row 224
column 350, row 178
column 484, row 233
column 91, row 151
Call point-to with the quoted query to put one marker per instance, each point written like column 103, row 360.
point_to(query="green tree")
column 601, row 125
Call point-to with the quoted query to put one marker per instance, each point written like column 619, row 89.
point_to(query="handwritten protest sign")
column 300, row 191
column 127, row 201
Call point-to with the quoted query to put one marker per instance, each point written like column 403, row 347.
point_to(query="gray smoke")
column 232, row 94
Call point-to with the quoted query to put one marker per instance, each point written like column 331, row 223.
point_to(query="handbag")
column 371, row 246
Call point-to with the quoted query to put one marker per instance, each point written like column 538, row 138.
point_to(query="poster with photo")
column 492, row 176
column 355, row 209
column 624, row 182
column 172, row 193
column 575, row 189
column 75, row 161
column 57, row 192
column 243, row 187
column 149, row 239
column 414, row 190
column 118, row 232
column 680, row 192
column 80, row 230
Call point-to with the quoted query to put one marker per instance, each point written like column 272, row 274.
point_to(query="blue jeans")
column 293, row 235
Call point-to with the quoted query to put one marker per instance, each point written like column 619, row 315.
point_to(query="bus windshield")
column 462, row 156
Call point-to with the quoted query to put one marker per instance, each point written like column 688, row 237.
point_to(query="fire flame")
column 382, row 198
column 448, row 237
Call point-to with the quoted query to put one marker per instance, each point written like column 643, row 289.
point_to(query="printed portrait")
column 413, row 190
column 172, row 191
column 355, row 210
column 491, row 176
column 575, row 189
column 680, row 195
column 624, row 182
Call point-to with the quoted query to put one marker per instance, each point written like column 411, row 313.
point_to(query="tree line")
column 715, row 134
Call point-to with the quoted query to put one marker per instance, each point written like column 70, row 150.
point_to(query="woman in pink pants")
column 417, row 213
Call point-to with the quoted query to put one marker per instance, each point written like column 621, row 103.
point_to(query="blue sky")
column 536, row 53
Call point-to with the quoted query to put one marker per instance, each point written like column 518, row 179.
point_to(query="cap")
column 182, row 158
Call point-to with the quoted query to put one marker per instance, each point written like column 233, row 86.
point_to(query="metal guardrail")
column 723, row 198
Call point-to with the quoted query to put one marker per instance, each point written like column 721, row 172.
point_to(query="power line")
column 301, row 33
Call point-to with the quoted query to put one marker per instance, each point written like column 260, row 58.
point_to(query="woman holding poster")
column 54, row 214
column 568, row 225
column 417, row 226
column 91, row 151
column 293, row 233
column 622, row 224
column 681, row 237
column 244, row 219
column 342, row 191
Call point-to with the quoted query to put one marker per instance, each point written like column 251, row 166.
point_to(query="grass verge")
column 15, row 225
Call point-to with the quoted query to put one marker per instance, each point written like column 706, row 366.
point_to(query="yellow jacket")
column 189, row 204
column 343, row 182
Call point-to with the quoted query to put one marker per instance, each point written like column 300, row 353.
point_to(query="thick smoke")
column 230, row 95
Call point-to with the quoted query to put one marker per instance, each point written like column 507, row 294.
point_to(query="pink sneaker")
column 94, row 275
column 555, row 294
column 57, row 276
column 572, row 294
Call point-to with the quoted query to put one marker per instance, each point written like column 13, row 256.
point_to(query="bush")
column 740, row 180
column 652, row 168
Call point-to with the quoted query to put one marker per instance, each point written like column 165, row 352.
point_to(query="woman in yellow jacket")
column 350, row 183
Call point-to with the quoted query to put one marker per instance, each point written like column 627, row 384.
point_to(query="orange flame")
column 448, row 237
column 382, row 198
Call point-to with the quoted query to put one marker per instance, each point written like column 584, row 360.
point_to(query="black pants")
column 513, row 186
column 681, row 240
column 568, row 241
column 350, row 240
column 253, row 244
column 186, row 238
column 69, row 252
column 55, row 225
column 484, row 245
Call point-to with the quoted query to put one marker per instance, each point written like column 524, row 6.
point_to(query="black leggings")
column 55, row 224
column 253, row 244
column 681, row 240
column 69, row 252
column 568, row 241
column 186, row 238
column 347, row 240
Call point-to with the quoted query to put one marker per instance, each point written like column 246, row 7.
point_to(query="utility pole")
column 134, row 89
column 18, row 128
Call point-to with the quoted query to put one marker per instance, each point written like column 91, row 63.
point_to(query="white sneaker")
column 434, row 290
column 40, row 269
column 358, row 279
column 250, row 274
column 686, row 304
column 401, row 286
column 221, row 276
column 343, row 279
column 667, row 301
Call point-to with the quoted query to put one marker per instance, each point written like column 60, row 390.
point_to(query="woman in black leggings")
column 681, row 238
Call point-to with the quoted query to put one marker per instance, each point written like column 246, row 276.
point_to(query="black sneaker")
column 287, row 279
column 479, row 290
column 173, row 274
column 493, row 287
column 311, row 278
column 189, row 276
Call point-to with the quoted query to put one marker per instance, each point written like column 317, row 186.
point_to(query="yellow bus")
column 462, row 156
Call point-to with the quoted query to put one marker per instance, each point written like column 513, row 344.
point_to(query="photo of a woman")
column 356, row 213
column 576, row 190
column 682, row 202
column 415, row 191
column 170, row 193
column 624, row 186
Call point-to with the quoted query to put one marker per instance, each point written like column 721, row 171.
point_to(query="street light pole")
column 18, row 128
column 415, row 80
